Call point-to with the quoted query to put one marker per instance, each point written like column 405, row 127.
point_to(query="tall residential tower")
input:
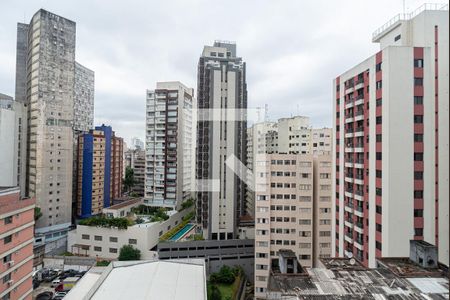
column 169, row 145
column 221, row 88
column 391, row 135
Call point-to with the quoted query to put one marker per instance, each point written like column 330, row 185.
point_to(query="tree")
column 215, row 293
column 128, row 181
column 37, row 213
column 128, row 252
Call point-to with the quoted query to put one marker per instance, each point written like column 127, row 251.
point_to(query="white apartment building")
column 170, row 142
column 221, row 87
column 13, row 134
column 391, row 146
column 292, row 211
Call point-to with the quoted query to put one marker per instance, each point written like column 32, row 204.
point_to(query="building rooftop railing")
column 408, row 16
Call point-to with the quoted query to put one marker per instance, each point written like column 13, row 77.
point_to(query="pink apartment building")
column 16, row 244
column 391, row 142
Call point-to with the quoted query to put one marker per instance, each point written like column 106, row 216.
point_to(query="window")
column 7, row 278
column 112, row 250
column 418, row 213
column 418, row 175
column 113, row 239
column 418, row 194
column 324, row 233
column 378, row 245
column 378, row 155
column 379, row 102
column 418, row 63
column 304, row 222
column 418, row 119
column 418, row 231
column 98, row 237
column 378, row 67
column 97, row 249
column 325, row 222
column 378, row 120
column 418, row 81
column 396, row 39
column 378, row 191
column 379, row 138
column 378, row 173
column 378, row 227
column 85, row 236
column 7, row 258
column 379, row 85
column 418, row 156
column 378, row 209
column 418, row 99
column 418, row 137
column 8, row 220
column 304, row 233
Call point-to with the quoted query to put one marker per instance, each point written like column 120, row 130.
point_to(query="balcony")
column 348, row 208
column 359, row 131
column 348, row 194
column 348, row 223
column 348, row 118
column 359, row 194
column 348, row 237
column 348, row 179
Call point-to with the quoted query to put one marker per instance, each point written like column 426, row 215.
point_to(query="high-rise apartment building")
column 137, row 143
column 13, row 120
column 135, row 159
column 100, row 167
column 16, row 240
column 55, row 90
column 391, row 142
column 221, row 88
column 169, row 145
column 292, row 211
column 48, row 70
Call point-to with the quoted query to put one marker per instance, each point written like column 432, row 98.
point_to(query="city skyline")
column 297, row 92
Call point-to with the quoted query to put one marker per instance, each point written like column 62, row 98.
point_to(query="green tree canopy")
column 128, row 252
column 129, row 181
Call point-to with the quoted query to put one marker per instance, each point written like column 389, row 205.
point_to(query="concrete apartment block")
column 135, row 159
column 221, row 85
column 13, row 135
column 170, row 132
column 16, row 238
column 391, row 146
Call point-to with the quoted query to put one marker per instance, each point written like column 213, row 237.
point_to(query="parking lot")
column 56, row 281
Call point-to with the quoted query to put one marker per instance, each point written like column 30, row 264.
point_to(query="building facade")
column 221, row 88
column 99, row 163
column 169, row 145
column 390, row 144
column 135, row 159
column 13, row 135
column 292, row 211
column 16, row 238
column 46, row 83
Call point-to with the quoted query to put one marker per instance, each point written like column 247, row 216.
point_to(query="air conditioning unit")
column 10, row 282
column 10, row 263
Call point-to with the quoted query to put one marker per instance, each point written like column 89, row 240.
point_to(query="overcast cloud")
column 293, row 49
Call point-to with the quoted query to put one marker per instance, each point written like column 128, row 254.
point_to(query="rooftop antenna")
column 266, row 112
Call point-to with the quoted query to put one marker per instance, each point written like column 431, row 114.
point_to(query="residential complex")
column 222, row 95
column 135, row 159
column 391, row 142
column 169, row 145
column 16, row 239
column 55, row 89
column 13, row 118
column 100, row 167
column 292, row 211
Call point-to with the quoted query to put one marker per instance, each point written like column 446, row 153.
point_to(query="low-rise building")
column 122, row 209
column 16, row 240
column 168, row 280
column 105, row 242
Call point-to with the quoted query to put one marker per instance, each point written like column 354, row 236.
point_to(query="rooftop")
column 126, row 203
column 342, row 279
column 162, row 280
column 392, row 23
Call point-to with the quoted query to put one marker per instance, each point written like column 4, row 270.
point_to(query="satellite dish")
column 352, row 261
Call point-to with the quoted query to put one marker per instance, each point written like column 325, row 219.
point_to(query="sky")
column 293, row 48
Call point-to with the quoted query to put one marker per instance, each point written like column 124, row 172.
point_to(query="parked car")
column 36, row 283
column 44, row 296
column 60, row 294
column 56, row 282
